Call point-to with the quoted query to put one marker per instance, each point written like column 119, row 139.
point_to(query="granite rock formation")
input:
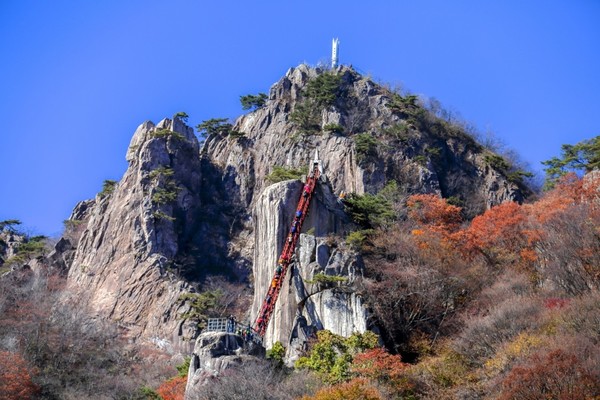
column 121, row 268
column 183, row 211
column 303, row 304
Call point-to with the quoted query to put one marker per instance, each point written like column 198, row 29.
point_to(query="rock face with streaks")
column 421, row 153
column 304, row 304
column 134, row 231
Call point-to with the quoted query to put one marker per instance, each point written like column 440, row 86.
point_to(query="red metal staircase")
column 285, row 259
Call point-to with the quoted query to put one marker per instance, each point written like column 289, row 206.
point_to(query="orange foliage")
column 173, row 389
column 356, row 389
column 437, row 221
column 434, row 213
column 568, row 191
column 379, row 365
column 499, row 223
column 15, row 378
column 502, row 235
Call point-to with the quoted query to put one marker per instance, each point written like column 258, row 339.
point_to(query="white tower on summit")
column 334, row 52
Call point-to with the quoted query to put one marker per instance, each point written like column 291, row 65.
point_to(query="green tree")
column 31, row 248
column 366, row 145
column 357, row 239
column 581, row 157
column 319, row 93
column 182, row 115
column 369, row 210
column 331, row 355
column 333, row 128
column 201, row 306
column 167, row 133
column 165, row 195
column 497, row 162
column 108, row 187
column 214, row 126
column 251, row 101
column 9, row 224
column 276, row 353
column 305, row 117
column 184, row 367
column 280, row 174
column 324, row 89
column 400, row 103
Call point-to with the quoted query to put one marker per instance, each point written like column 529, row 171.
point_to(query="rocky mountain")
column 182, row 212
column 9, row 243
column 134, row 233
column 421, row 153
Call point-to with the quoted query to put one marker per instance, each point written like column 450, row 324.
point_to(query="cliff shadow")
column 208, row 249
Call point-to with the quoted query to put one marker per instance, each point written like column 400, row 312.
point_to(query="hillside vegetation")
column 505, row 306
column 477, row 287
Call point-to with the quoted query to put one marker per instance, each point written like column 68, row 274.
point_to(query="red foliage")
column 501, row 235
column 568, row 191
column 558, row 375
column 173, row 389
column 379, row 365
column 15, row 378
column 502, row 223
column 434, row 213
column 555, row 303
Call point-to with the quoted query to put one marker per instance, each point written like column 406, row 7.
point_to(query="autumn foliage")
column 498, row 235
column 15, row 378
column 492, row 293
column 48, row 346
column 381, row 366
column 173, row 389
column 356, row 389
column 434, row 213
column 556, row 375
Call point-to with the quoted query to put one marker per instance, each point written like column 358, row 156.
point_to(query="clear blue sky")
column 77, row 77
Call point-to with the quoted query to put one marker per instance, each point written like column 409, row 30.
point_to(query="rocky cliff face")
column 9, row 243
column 421, row 159
column 123, row 263
column 214, row 353
column 304, row 304
column 422, row 154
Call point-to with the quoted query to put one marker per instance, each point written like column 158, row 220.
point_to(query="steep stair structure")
column 285, row 259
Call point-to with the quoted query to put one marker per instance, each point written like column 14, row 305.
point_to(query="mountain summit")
column 184, row 212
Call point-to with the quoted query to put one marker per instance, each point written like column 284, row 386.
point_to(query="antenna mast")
column 334, row 52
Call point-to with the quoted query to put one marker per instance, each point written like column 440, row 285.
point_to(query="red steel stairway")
column 285, row 259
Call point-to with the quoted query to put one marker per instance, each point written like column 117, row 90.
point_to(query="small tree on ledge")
column 253, row 102
column 182, row 115
column 218, row 126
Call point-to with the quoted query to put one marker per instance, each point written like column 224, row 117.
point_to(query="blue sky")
column 78, row 77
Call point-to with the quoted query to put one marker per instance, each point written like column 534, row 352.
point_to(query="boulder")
column 215, row 352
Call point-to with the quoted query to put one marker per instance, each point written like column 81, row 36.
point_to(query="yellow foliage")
column 356, row 389
column 448, row 369
column 521, row 346
column 550, row 327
